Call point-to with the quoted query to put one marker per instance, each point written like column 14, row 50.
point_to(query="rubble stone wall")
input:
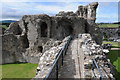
column 93, row 51
column 32, row 32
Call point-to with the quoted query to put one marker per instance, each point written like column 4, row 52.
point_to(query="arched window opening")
column 86, row 28
column 40, row 49
column 43, row 29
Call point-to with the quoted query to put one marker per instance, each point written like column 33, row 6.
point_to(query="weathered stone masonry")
column 27, row 39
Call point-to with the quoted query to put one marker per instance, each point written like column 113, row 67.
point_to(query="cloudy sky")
column 106, row 12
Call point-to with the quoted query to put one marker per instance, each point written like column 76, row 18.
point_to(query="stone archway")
column 64, row 29
column 44, row 29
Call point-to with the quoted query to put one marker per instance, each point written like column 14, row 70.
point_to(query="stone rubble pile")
column 51, row 43
column 93, row 51
column 48, row 58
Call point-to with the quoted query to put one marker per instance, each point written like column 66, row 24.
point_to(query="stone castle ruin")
column 27, row 39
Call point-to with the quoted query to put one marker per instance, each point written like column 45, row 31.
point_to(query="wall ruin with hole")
column 35, row 31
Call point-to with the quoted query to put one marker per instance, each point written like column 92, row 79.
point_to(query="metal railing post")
column 93, row 65
column 57, row 70
column 62, row 58
column 65, row 49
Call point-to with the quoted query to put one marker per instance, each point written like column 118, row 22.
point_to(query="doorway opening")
column 43, row 29
column 40, row 49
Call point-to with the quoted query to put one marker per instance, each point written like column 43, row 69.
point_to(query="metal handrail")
column 94, row 62
column 55, row 64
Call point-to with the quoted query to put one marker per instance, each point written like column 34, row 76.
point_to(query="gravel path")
column 115, row 48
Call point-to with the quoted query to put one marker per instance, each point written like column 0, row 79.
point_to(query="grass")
column 108, row 25
column 114, row 56
column 21, row 70
column 114, row 44
column 0, row 72
column 4, row 26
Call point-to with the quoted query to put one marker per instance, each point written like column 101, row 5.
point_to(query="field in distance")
column 107, row 25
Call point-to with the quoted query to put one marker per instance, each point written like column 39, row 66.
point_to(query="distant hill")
column 109, row 23
column 7, row 21
column 116, row 23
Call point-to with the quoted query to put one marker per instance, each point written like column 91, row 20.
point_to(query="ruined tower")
column 88, row 12
column 31, row 35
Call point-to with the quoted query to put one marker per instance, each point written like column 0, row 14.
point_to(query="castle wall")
column 88, row 12
column 34, row 32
